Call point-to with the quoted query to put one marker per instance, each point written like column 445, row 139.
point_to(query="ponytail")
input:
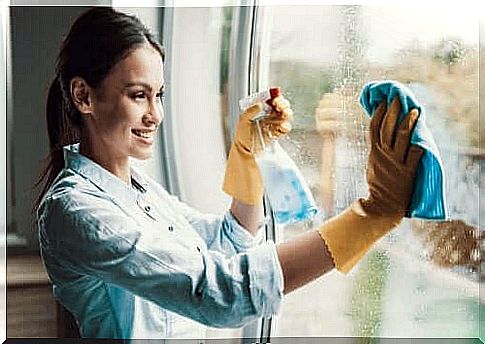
column 63, row 127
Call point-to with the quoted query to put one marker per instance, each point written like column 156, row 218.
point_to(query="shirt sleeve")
column 95, row 237
column 220, row 233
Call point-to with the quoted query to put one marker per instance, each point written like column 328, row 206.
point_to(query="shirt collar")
column 101, row 177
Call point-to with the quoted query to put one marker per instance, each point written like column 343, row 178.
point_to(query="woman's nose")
column 154, row 114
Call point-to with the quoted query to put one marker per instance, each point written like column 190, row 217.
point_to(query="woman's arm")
column 251, row 217
column 303, row 259
column 92, row 236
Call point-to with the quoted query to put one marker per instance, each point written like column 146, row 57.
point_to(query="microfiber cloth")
column 428, row 201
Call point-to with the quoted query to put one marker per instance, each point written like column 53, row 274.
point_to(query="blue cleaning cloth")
column 428, row 201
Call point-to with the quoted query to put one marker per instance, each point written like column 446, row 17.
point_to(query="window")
column 421, row 280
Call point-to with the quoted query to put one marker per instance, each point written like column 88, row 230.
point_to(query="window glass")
column 422, row 280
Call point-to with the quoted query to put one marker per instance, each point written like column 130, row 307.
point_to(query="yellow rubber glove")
column 391, row 170
column 242, row 178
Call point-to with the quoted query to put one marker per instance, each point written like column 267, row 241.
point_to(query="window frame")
column 247, row 75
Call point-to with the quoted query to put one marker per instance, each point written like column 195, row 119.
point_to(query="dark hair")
column 98, row 39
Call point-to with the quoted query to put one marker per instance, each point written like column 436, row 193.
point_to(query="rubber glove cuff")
column 351, row 234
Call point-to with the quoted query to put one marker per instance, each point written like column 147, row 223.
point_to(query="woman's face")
column 127, row 107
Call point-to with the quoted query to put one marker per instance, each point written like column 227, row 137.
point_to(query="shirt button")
column 147, row 208
column 170, row 228
column 198, row 248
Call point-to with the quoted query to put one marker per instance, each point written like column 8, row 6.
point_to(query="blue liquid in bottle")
column 287, row 190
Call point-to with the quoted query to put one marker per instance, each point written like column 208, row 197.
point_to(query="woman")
column 130, row 261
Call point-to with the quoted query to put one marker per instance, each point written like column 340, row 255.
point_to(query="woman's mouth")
column 146, row 135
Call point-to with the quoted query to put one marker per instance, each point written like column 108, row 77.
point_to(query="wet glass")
column 423, row 279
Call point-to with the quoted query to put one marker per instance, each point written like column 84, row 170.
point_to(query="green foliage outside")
column 368, row 295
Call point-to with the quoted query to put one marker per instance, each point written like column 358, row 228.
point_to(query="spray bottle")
column 287, row 191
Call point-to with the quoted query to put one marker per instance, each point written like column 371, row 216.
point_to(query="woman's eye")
column 139, row 96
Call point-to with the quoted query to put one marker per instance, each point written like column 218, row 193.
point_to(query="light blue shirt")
column 135, row 262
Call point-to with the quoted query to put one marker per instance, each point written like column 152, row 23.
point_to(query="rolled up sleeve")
column 94, row 237
column 267, row 288
column 241, row 239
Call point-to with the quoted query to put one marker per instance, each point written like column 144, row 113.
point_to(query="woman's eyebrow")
column 143, row 84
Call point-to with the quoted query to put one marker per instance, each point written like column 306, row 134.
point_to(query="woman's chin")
column 142, row 155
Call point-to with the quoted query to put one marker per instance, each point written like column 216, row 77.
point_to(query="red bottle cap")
column 274, row 92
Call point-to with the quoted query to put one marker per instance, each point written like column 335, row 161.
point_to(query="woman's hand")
column 274, row 125
column 390, row 174
column 278, row 123
column 392, row 161
column 242, row 179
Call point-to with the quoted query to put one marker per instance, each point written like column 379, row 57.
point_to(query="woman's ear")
column 81, row 95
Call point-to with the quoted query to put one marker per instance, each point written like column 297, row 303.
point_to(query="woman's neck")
column 119, row 166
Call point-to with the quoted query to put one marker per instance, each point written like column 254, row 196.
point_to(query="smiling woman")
column 129, row 260
column 123, row 113
column 83, row 105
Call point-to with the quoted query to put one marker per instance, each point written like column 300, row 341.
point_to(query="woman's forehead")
column 143, row 66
